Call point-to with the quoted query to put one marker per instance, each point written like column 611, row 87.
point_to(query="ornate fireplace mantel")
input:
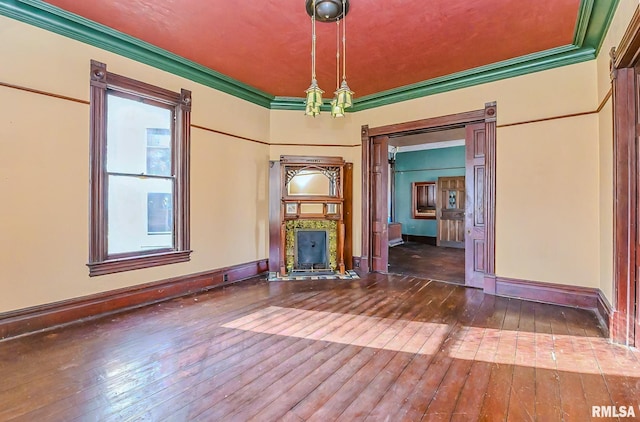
column 311, row 196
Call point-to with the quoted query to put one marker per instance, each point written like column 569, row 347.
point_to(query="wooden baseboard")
column 427, row 240
column 361, row 264
column 28, row 320
column 556, row 294
column 604, row 312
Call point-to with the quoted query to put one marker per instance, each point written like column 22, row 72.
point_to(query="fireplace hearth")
column 311, row 250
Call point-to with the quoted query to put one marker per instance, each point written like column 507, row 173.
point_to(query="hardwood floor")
column 427, row 261
column 382, row 348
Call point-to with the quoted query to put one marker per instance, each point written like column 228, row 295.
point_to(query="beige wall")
column 44, row 145
column 547, row 208
column 547, row 172
column 553, row 177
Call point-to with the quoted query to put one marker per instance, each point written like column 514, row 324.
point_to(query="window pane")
column 159, row 151
column 140, row 214
column 138, row 137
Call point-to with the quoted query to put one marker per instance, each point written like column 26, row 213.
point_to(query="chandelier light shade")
column 328, row 11
column 314, row 94
column 344, row 95
column 336, row 109
column 314, row 99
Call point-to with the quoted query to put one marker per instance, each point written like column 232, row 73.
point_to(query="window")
column 140, row 138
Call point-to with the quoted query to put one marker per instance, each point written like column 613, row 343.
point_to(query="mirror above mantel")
column 312, row 180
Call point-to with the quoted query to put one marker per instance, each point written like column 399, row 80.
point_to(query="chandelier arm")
column 344, row 42
column 313, row 42
column 338, row 54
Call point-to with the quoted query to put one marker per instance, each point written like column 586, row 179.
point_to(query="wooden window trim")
column 100, row 262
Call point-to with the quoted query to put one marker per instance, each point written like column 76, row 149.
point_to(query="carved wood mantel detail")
column 326, row 203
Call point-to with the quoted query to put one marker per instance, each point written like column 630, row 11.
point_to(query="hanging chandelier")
column 329, row 11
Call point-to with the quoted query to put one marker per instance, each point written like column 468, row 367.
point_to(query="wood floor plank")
column 388, row 406
column 245, row 365
column 325, row 392
column 182, row 356
column 386, row 378
column 383, row 347
column 416, row 404
column 572, row 395
column 492, row 347
column 250, row 391
column 548, row 404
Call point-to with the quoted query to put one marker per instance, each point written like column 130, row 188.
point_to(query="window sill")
column 138, row 262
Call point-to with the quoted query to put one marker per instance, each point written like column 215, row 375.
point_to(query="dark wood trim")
column 546, row 119
column 490, row 284
column 625, row 317
column 97, row 158
column 604, row 312
column 625, row 206
column 441, row 122
column 244, row 138
column 44, row 317
column 627, row 53
column 274, row 215
column 356, row 262
column 488, row 115
column 426, row 240
column 314, row 145
column 111, row 266
column 348, row 215
column 563, row 116
column 365, row 199
column 311, row 160
column 179, row 103
column 45, row 93
column 557, row 294
column 193, row 125
column 606, row 98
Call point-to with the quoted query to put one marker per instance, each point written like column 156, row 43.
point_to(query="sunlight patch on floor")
column 589, row 355
column 357, row 330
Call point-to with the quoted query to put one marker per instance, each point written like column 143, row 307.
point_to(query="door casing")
column 488, row 116
column 624, row 321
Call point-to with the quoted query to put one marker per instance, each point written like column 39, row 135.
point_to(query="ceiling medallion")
column 327, row 10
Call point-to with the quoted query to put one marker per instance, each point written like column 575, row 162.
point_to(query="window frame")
column 101, row 82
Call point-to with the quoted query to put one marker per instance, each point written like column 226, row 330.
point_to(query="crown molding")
column 59, row 21
column 594, row 18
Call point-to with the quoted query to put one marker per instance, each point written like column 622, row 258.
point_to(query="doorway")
column 426, row 205
column 479, row 231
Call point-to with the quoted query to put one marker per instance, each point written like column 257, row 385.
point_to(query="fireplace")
column 311, row 250
column 308, row 232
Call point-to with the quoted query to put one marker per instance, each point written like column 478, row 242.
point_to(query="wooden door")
column 475, row 210
column 379, row 213
column 450, row 207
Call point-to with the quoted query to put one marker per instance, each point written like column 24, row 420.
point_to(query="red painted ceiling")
column 266, row 44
